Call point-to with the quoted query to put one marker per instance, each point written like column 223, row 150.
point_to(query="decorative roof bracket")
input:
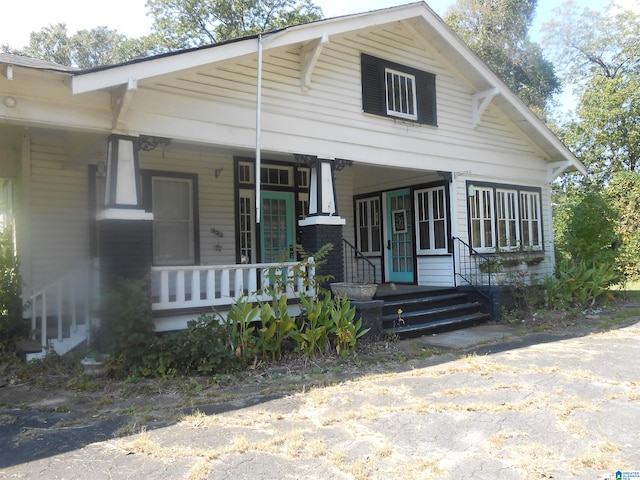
column 310, row 54
column 479, row 103
column 555, row 169
column 121, row 101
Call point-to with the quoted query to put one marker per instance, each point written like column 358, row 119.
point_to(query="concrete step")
column 438, row 326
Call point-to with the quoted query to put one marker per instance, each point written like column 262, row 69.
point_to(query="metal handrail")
column 355, row 270
column 470, row 270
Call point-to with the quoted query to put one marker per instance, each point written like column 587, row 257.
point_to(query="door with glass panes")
column 276, row 226
column 399, row 258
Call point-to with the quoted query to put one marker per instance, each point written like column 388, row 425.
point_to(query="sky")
column 21, row 17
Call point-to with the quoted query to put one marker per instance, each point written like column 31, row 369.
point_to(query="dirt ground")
column 58, row 385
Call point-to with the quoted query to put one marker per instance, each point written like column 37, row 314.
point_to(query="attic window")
column 401, row 96
column 393, row 90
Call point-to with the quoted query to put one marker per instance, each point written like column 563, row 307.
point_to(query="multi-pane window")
column 482, row 215
column 503, row 219
column 276, row 175
column 507, row 218
column 401, row 94
column 530, row 220
column 368, row 221
column 431, row 215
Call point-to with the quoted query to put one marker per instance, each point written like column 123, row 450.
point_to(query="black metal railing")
column 357, row 267
column 474, row 268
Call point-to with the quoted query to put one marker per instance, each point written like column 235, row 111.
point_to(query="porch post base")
column 124, row 249
column 313, row 237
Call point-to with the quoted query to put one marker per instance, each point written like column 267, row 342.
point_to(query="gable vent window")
column 393, row 90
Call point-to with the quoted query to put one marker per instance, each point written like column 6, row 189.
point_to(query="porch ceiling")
column 372, row 178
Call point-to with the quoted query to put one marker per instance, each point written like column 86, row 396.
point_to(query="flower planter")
column 358, row 292
column 93, row 367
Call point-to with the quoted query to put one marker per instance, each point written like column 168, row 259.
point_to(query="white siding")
column 59, row 221
column 215, row 197
column 436, row 271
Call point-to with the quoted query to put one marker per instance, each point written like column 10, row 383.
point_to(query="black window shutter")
column 426, row 91
column 373, row 100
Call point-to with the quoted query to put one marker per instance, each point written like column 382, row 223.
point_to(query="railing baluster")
column 43, row 322
column 211, row 285
column 180, row 287
column 195, row 286
column 59, row 310
column 164, row 286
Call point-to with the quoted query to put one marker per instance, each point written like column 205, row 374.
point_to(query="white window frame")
column 482, row 210
column 368, row 224
column 507, row 219
column 431, row 207
column 530, row 213
column 401, row 99
column 190, row 260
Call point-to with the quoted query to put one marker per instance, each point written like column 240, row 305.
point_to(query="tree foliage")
column 85, row 49
column 180, row 24
column 584, row 227
column 497, row 31
column 623, row 192
column 601, row 55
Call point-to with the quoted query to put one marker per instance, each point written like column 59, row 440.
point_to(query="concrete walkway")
column 551, row 406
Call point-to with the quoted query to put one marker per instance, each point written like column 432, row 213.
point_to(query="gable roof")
column 418, row 17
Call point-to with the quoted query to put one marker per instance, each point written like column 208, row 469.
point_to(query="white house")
column 200, row 166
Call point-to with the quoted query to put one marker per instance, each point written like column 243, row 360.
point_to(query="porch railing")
column 357, row 267
column 199, row 286
column 66, row 303
column 469, row 270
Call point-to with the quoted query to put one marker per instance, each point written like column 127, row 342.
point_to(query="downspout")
column 258, row 128
column 261, row 40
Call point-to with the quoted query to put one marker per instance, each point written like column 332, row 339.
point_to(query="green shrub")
column 203, row 349
column 578, row 284
column 12, row 325
column 127, row 324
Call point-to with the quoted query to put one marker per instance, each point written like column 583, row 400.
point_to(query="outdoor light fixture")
column 10, row 102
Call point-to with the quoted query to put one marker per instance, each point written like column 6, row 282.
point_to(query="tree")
column 623, row 192
column 86, row 49
column 497, row 31
column 180, row 24
column 601, row 55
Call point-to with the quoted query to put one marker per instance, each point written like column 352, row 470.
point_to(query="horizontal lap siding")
column 59, row 221
column 435, row 271
column 216, row 197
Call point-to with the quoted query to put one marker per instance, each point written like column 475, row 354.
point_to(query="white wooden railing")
column 71, row 299
column 199, row 286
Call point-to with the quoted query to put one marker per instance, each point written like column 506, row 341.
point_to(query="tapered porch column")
column 323, row 224
column 124, row 228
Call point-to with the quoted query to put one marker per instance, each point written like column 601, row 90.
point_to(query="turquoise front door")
column 399, row 237
column 276, row 227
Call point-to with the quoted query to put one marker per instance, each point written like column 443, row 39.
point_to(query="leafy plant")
column 239, row 322
column 345, row 332
column 312, row 336
column 579, row 283
column 277, row 325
